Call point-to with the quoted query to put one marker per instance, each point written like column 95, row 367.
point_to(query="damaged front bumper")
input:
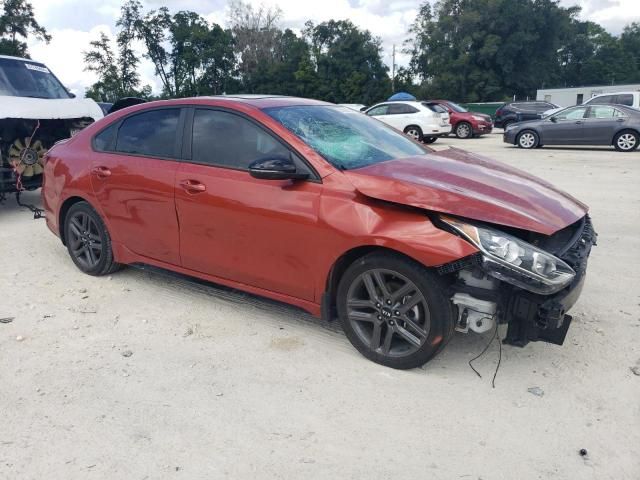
column 534, row 317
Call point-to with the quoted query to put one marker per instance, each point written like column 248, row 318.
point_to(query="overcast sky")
column 74, row 23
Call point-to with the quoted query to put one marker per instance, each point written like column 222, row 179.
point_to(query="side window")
column 625, row 99
column 150, row 133
column 571, row 114
column 103, row 141
column 434, row 107
column 229, row 140
column 602, row 111
column 396, row 109
column 376, row 111
column 602, row 100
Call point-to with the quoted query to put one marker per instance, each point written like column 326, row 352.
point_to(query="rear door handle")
column 193, row 186
column 579, row 122
column 101, row 172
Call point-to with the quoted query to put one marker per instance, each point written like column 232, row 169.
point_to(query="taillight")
column 499, row 112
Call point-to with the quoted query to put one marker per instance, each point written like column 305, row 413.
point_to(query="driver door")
column 565, row 127
column 234, row 226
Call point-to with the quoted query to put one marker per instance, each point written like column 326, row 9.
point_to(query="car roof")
column 10, row 57
column 251, row 100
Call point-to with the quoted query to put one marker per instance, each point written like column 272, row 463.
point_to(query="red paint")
column 281, row 238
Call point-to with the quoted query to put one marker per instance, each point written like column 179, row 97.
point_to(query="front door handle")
column 579, row 122
column 193, row 186
column 101, row 172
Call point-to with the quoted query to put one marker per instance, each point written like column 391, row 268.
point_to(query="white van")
column 630, row 99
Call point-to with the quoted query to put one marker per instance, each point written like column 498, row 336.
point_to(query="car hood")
column 45, row 108
column 468, row 185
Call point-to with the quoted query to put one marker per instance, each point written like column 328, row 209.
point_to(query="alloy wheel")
column 85, row 241
column 626, row 141
column 413, row 133
column 463, row 130
column 527, row 140
column 388, row 312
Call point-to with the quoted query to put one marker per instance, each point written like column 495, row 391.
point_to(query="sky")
column 74, row 23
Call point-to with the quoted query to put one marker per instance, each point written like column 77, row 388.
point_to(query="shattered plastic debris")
column 537, row 391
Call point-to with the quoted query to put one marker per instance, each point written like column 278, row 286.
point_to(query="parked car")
column 420, row 121
column 324, row 208
column 630, row 99
column 465, row 124
column 36, row 111
column 519, row 111
column 358, row 107
column 616, row 125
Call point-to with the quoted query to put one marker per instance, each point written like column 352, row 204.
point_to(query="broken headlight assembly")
column 513, row 260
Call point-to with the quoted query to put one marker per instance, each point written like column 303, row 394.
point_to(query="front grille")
column 473, row 260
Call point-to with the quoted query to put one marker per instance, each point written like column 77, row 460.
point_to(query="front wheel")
column 88, row 240
column 394, row 311
column 626, row 141
column 464, row 130
column 528, row 139
column 414, row 132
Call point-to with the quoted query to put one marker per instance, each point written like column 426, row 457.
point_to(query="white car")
column 630, row 99
column 419, row 120
column 36, row 111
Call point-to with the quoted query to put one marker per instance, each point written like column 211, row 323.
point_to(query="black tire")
column 527, row 139
column 414, row 132
column 88, row 241
column 464, row 130
column 429, row 139
column 626, row 141
column 424, row 313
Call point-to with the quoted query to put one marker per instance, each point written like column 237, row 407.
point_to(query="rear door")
column 564, row 128
column 234, row 226
column 602, row 122
column 133, row 176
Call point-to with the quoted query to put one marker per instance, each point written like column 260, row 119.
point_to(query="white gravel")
column 145, row 375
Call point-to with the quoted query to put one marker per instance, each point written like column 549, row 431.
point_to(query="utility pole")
column 393, row 70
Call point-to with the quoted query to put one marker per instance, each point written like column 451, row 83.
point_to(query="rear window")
column 151, row 133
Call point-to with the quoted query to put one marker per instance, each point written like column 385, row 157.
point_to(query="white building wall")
column 567, row 97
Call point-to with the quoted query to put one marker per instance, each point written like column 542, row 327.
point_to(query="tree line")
column 465, row 50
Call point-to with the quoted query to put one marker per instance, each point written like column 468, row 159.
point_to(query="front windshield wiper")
column 35, row 96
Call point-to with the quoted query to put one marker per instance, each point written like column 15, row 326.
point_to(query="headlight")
column 480, row 119
column 511, row 127
column 515, row 261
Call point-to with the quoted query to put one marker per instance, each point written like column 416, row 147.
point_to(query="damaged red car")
column 324, row 208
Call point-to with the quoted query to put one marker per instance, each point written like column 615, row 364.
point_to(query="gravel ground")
column 147, row 375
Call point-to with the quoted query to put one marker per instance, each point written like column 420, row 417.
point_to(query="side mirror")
column 553, row 119
column 279, row 168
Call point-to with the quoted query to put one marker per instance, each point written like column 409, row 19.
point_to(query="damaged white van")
column 36, row 111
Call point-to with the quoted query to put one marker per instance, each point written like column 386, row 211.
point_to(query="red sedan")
column 465, row 124
column 322, row 207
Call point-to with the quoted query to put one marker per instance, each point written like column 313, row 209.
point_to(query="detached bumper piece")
column 543, row 318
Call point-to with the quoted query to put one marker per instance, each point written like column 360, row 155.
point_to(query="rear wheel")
column 626, row 141
column 414, row 132
column 528, row 139
column 394, row 311
column 464, row 130
column 429, row 139
column 88, row 240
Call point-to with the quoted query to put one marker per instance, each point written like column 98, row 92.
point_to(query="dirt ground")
column 146, row 375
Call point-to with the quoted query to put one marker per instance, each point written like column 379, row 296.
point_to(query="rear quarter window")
column 104, row 141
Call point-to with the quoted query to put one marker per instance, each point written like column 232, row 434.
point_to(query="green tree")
column 347, row 62
column 17, row 23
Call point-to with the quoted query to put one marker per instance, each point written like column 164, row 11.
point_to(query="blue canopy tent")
column 403, row 96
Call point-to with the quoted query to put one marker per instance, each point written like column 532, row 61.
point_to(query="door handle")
column 193, row 186
column 620, row 120
column 579, row 122
column 101, row 172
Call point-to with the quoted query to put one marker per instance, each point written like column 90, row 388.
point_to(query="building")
column 567, row 97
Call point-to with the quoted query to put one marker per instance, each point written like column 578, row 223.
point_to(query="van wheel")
column 528, row 139
column 88, row 240
column 414, row 132
column 626, row 141
column 394, row 311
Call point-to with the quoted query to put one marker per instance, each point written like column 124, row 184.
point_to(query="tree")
column 191, row 57
column 347, row 62
column 117, row 73
column 17, row 23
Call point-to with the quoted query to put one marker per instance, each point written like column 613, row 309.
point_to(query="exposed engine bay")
column 23, row 145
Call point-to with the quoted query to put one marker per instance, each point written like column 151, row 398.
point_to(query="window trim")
column 187, row 140
column 177, row 144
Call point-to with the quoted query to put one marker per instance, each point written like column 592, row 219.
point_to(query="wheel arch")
column 621, row 130
column 413, row 125
column 338, row 268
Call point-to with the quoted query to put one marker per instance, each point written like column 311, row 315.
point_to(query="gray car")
column 616, row 125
